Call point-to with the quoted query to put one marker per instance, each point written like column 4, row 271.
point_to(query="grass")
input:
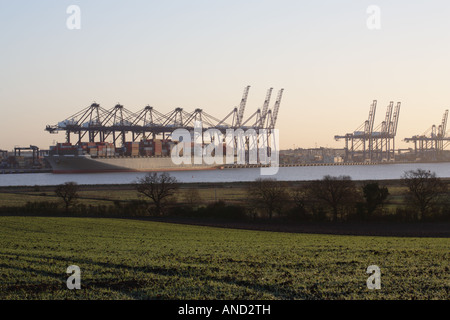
column 106, row 196
column 131, row 259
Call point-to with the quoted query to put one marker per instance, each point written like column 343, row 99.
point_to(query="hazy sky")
column 201, row 54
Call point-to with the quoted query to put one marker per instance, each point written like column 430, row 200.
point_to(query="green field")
column 131, row 259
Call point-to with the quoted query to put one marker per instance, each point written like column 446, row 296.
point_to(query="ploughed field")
column 132, row 259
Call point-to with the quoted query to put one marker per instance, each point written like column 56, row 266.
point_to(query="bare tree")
column 335, row 192
column 424, row 188
column 68, row 192
column 268, row 194
column 158, row 188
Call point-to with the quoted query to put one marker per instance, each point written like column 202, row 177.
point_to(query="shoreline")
column 247, row 166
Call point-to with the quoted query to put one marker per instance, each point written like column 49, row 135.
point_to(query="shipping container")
column 132, row 148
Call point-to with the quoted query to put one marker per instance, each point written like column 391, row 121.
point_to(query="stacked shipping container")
column 132, row 149
column 146, row 148
column 65, row 149
column 158, row 147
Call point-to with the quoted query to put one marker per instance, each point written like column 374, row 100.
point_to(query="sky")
column 192, row 54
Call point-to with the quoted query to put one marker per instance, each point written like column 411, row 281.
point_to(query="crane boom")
column 444, row 124
column 394, row 123
column 242, row 105
column 369, row 123
column 276, row 108
column 265, row 107
column 387, row 120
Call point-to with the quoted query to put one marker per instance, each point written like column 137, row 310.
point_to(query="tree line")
column 340, row 199
column 328, row 199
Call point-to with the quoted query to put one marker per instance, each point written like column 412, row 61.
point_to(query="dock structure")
column 369, row 144
column 121, row 125
column 431, row 144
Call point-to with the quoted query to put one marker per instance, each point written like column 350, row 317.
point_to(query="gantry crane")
column 431, row 144
column 369, row 145
column 97, row 123
column 384, row 134
column 360, row 141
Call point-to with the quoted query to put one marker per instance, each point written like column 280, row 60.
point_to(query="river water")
column 356, row 172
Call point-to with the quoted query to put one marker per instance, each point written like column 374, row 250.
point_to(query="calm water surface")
column 362, row 172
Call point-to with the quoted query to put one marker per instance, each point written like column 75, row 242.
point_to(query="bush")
column 222, row 210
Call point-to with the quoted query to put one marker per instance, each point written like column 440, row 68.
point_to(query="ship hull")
column 87, row 164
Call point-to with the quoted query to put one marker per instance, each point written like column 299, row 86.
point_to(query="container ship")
column 97, row 157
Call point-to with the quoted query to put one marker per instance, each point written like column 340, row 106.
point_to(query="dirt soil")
column 436, row 230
